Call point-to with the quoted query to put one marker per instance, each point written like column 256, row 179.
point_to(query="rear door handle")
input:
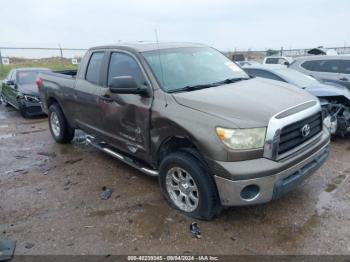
column 106, row 98
column 344, row 79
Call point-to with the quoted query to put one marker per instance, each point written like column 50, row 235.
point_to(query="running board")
column 127, row 160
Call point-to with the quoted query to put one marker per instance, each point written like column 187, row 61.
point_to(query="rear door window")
column 327, row 66
column 345, row 66
column 274, row 60
column 331, row 66
column 93, row 72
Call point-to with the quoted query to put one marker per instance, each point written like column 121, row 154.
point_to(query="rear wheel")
column 188, row 186
column 59, row 126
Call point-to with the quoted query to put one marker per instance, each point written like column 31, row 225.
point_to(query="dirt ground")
column 50, row 204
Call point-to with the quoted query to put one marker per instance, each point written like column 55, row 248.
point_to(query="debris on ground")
column 106, row 193
column 7, row 248
column 195, row 230
column 29, row 245
column 73, row 161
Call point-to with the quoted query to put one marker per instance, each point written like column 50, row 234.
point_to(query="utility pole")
column 281, row 52
column 62, row 63
column 1, row 60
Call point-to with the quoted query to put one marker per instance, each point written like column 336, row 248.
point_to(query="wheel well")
column 51, row 101
column 174, row 144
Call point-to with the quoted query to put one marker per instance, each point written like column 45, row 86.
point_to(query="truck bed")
column 56, row 84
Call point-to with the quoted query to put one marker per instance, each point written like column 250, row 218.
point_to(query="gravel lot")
column 50, row 204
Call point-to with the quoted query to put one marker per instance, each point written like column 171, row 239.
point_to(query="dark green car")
column 20, row 91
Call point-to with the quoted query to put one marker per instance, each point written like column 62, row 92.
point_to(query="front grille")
column 34, row 109
column 292, row 136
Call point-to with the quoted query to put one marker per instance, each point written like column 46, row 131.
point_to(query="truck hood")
column 323, row 90
column 28, row 89
column 249, row 103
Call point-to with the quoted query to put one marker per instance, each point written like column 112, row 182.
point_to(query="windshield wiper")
column 202, row 86
column 191, row 88
column 233, row 80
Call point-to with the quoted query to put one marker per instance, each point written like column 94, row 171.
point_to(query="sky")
column 223, row 24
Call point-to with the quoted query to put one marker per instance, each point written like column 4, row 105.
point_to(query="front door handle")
column 106, row 98
column 344, row 79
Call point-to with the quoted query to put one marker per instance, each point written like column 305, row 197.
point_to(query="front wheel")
column 59, row 126
column 188, row 187
column 4, row 100
column 23, row 111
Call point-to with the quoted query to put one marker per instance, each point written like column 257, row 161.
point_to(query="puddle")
column 296, row 235
column 66, row 150
column 330, row 187
column 335, row 182
column 7, row 136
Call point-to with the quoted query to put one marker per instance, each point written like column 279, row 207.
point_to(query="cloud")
column 224, row 24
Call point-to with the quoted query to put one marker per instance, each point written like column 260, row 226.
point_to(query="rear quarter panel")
column 60, row 88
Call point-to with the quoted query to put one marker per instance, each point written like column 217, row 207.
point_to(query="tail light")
column 38, row 82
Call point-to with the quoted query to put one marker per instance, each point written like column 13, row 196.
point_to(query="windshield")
column 297, row 78
column 191, row 66
column 27, row 77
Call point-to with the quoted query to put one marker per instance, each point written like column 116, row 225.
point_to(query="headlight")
column 242, row 139
column 31, row 99
column 331, row 123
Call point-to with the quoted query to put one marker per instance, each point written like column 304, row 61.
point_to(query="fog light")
column 250, row 192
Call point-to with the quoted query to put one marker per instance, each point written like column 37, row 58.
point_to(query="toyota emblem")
column 305, row 130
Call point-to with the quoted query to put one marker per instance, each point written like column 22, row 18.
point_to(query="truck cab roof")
column 148, row 46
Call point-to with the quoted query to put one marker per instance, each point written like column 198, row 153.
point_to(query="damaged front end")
column 338, row 111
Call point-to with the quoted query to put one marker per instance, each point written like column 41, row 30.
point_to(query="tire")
column 23, row 111
column 4, row 100
column 59, row 126
column 175, row 184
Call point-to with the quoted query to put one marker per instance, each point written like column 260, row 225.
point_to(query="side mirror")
column 286, row 63
column 126, row 85
column 10, row 83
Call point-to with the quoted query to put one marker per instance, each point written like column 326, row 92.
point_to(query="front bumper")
column 233, row 191
column 32, row 108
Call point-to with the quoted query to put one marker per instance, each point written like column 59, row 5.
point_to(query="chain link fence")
column 258, row 55
column 52, row 58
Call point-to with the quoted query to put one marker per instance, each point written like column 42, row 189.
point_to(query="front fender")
column 329, row 91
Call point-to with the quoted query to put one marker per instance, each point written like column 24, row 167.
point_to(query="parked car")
column 322, row 51
column 186, row 113
column 247, row 63
column 237, row 57
column 335, row 100
column 278, row 60
column 327, row 69
column 20, row 91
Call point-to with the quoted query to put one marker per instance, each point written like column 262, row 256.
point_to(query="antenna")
column 160, row 60
column 160, row 63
